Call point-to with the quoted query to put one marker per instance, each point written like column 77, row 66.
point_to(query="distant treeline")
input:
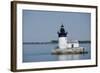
column 84, row 41
column 52, row 42
column 37, row 43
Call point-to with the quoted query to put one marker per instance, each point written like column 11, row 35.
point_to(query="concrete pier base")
column 75, row 50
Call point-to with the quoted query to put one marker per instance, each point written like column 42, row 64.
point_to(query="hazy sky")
column 43, row 25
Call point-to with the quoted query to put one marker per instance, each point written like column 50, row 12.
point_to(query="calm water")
column 42, row 52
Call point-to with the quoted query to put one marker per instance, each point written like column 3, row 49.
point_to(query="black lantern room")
column 62, row 32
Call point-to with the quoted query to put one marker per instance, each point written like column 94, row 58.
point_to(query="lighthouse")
column 62, row 38
column 66, row 46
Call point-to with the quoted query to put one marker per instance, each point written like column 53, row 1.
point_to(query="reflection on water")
column 68, row 57
column 38, row 53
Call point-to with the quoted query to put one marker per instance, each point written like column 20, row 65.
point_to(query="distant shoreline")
column 37, row 43
column 84, row 41
column 52, row 42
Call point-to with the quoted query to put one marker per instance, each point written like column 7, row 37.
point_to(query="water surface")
column 42, row 52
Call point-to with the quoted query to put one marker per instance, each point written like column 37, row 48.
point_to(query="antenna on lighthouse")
column 62, row 25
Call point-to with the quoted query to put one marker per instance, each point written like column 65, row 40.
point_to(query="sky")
column 42, row 26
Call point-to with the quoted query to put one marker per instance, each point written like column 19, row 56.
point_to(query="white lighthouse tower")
column 62, row 38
